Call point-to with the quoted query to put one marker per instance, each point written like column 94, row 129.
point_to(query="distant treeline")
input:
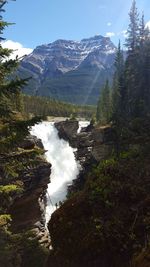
column 43, row 106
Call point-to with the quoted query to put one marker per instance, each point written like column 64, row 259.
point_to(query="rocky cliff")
column 95, row 141
column 24, row 176
column 93, row 145
column 28, row 210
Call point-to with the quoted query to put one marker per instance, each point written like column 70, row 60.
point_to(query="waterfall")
column 64, row 169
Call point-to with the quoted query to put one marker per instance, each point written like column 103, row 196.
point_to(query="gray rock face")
column 28, row 209
column 93, row 144
column 30, row 141
column 63, row 55
column 48, row 63
column 67, row 130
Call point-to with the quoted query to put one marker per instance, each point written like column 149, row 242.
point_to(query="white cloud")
column 148, row 25
column 124, row 33
column 18, row 48
column 109, row 24
column 110, row 34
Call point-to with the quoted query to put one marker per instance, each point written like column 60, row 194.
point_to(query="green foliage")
column 133, row 30
column 34, row 254
column 131, row 85
column 14, row 131
column 13, row 165
column 13, row 126
column 118, row 90
column 80, row 86
column 9, row 189
column 7, row 194
column 104, row 105
column 109, row 220
column 21, row 249
column 137, row 66
column 4, row 220
column 15, row 249
column 119, row 184
column 42, row 106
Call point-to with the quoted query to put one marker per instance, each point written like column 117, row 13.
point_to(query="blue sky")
column 44, row 21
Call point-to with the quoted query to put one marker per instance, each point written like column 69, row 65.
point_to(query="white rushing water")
column 82, row 124
column 64, row 169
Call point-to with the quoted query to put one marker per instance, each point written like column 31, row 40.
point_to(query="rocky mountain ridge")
column 68, row 68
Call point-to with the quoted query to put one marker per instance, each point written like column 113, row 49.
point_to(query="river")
column 64, row 169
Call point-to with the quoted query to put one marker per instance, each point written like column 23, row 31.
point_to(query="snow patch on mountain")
column 53, row 60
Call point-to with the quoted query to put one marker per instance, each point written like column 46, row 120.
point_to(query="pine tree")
column 142, row 31
column 10, row 93
column 137, row 73
column 132, row 43
column 131, row 83
column 144, row 75
column 104, row 105
column 13, row 127
column 118, row 89
column 118, row 117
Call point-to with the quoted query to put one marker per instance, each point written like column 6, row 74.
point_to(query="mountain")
column 69, row 70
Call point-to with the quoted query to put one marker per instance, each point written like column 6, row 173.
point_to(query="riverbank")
column 105, row 220
column 24, row 175
column 59, row 119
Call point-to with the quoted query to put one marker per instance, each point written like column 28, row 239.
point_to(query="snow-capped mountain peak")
column 56, row 59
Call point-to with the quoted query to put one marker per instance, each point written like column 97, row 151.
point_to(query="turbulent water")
column 82, row 124
column 64, row 169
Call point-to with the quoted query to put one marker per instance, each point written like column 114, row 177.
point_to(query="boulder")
column 30, row 142
column 67, row 130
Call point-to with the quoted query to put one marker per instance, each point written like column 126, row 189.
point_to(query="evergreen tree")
column 131, row 83
column 10, row 93
column 13, row 127
column 118, row 92
column 142, row 31
column 104, row 105
column 137, row 73
column 144, row 76
column 118, row 100
column 132, row 43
